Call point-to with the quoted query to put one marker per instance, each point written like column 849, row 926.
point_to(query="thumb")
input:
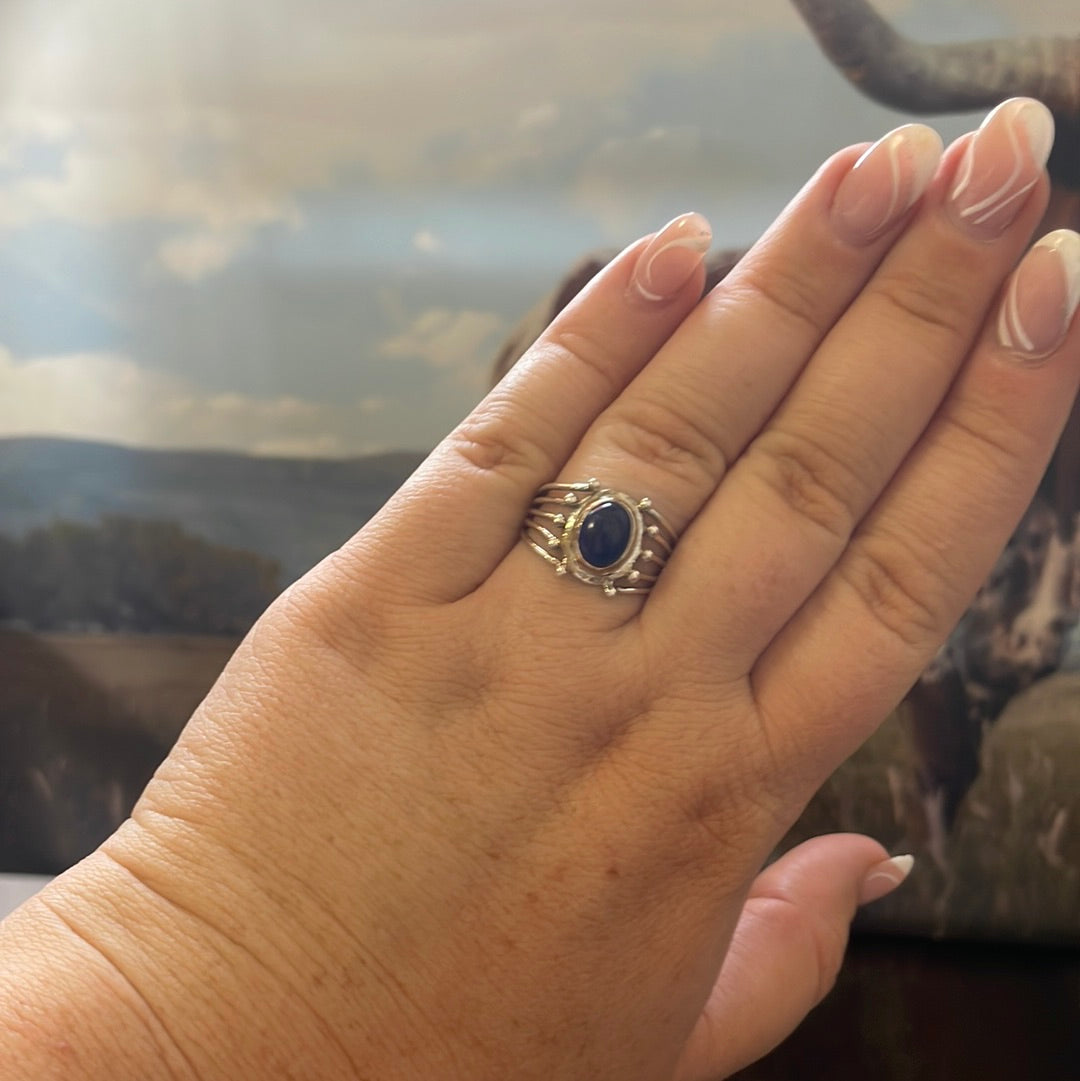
column 787, row 949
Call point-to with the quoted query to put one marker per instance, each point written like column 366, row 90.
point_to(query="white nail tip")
column 924, row 147
column 692, row 243
column 930, row 148
column 1011, row 331
column 912, row 153
column 984, row 208
column 691, row 232
column 1067, row 245
column 885, row 877
column 1038, row 122
column 903, row 865
column 892, row 871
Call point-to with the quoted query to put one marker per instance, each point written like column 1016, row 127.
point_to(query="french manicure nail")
column 1002, row 163
column 883, row 878
column 1042, row 297
column 666, row 264
column 885, row 182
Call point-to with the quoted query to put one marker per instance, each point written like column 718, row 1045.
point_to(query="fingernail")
column 885, row 182
column 1041, row 297
column 1002, row 163
column 882, row 879
column 665, row 266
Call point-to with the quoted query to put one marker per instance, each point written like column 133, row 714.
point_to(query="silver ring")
column 599, row 536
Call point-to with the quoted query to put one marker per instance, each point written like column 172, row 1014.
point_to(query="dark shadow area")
column 911, row 1010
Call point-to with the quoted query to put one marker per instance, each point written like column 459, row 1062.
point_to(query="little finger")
column 918, row 558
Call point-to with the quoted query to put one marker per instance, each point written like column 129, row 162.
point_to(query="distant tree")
column 8, row 549
column 132, row 574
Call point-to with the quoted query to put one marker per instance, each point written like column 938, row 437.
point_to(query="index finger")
column 463, row 507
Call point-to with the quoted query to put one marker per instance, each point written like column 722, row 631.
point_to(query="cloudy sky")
column 303, row 227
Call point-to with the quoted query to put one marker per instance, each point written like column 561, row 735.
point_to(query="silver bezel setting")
column 553, row 526
column 576, row 564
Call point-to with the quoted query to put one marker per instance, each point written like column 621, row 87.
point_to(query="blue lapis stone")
column 604, row 535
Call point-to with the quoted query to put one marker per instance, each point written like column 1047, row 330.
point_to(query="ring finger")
column 672, row 432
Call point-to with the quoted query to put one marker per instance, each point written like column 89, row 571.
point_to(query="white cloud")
column 324, row 445
column 21, row 127
column 317, row 89
column 216, row 117
column 132, row 84
column 108, row 397
column 115, row 171
column 194, row 256
column 661, row 161
column 539, row 116
column 106, row 179
column 457, row 340
column 426, row 241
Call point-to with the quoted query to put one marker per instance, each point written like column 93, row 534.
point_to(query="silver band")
column 599, row 536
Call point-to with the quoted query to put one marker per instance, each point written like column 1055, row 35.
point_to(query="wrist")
column 67, row 1010
column 101, row 978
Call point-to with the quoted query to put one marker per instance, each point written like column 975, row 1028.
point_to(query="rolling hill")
column 291, row 510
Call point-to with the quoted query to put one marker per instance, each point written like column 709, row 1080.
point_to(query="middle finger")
column 670, row 434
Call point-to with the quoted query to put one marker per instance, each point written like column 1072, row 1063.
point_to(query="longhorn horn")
column 923, row 78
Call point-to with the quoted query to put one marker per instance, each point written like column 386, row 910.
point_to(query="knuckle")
column 792, row 297
column 899, row 589
column 310, row 614
column 665, row 438
column 810, row 479
column 995, row 437
column 572, row 346
column 495, row 440
column 932, row 302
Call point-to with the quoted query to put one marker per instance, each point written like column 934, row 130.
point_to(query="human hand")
column 450, row 815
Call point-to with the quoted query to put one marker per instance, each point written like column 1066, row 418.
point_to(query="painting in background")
column 257, row 258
